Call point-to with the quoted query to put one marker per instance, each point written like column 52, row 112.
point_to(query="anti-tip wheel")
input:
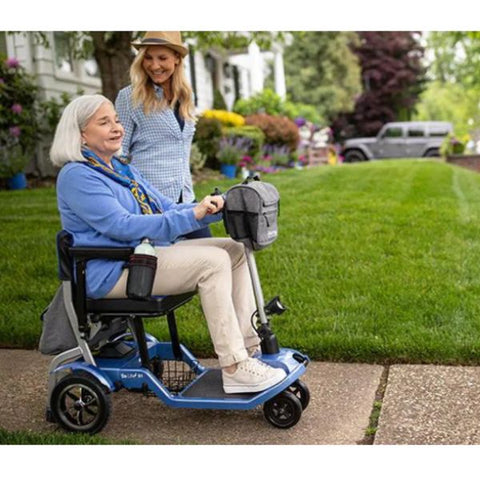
column 283, row 410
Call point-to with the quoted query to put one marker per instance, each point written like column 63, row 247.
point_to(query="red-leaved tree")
column 393, row 78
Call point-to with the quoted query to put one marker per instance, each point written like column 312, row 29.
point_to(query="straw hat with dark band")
column 171, row 40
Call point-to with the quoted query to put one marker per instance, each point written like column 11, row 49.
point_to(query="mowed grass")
column 377, row 262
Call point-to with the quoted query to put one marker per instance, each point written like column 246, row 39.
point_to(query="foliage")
column 452, row 145
column 19, row 128
column 393, row 78
column 322, row 71
column 197, row 158
column 278, row 155
column 218, row 100
column 454, row 88
column 207, row 136
column 232, row 149
column 277, row 130
column 268, row 101
column 253, row 133
column 450, row 101
column 456, row 57
column 228, row 119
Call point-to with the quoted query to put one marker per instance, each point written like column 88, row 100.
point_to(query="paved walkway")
column 422, row 404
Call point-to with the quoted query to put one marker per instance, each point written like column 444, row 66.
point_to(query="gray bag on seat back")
column 250, row 213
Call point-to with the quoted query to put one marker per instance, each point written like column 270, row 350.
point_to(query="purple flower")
column 300, row 121
column 15, row 131
column 12, row 62
column 2, row 81
column 17, row 108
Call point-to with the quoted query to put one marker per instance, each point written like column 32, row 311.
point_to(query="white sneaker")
column 251, row 376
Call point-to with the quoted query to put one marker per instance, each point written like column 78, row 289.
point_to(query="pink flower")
column 15, row 131
column 12, row 63
column 17, row 108
column 2, row 81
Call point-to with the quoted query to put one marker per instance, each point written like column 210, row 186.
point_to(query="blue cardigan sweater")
column 100, row 212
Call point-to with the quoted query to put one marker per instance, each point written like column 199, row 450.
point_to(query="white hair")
column 67, row 142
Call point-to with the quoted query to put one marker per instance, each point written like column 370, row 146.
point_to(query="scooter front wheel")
column 301, row 391
column 80, row 404
column 283, row 410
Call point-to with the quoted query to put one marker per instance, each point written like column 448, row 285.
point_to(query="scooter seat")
column 154, row 306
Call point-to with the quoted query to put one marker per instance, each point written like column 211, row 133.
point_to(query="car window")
column 438, row 131
column 415, row 132
column 393, row 132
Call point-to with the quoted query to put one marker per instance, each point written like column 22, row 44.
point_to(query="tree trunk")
column 114, row 55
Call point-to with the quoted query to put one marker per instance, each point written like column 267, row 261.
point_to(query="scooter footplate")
column 209, row 385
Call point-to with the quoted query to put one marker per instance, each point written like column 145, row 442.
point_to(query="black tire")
column 79, row 403
column 301, row 391
column 432, row 153
column 284, row 410
column 354, row 156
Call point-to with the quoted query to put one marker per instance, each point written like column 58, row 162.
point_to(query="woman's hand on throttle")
column 210, row 205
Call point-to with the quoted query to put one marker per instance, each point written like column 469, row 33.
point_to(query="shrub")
column 197, row 158
column 232, row 149
column 207, row 136
column 227, row 119
column 19, row 128
column 253, row 133
column 271, row 103
column 451, row 145
column 278, row 130
column 218, row 100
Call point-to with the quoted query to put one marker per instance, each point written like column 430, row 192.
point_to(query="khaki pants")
column 218, row 269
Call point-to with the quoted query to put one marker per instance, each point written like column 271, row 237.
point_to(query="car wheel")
column 354, row 156
column 432, row 153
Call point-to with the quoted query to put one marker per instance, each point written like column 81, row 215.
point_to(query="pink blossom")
column 12, row 62
column 17, row 108
column 15, row 131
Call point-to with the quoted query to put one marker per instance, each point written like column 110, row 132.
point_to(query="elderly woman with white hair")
column 105, row 202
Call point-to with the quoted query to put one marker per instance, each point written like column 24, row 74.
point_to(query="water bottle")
column 142, row 266
column 145, row 247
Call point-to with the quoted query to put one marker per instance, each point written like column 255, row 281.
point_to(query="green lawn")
column 377, row 262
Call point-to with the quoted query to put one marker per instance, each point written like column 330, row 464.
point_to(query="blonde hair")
column 143, row 91
column 67, row 142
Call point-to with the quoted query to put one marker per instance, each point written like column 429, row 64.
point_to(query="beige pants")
column 218, row 269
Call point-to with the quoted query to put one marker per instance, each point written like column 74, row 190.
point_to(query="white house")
column 235, row 75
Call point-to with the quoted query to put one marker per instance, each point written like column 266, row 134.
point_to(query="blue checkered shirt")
column 157, row 146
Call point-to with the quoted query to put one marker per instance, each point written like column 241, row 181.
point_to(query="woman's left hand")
column 209, row 205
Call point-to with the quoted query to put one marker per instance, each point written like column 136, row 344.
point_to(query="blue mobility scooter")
column 82, row 379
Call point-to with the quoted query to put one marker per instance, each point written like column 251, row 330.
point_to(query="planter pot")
column 230, row 171
column 17, row 182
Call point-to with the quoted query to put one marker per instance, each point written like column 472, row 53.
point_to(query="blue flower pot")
column 230, row 171
column 17, row 182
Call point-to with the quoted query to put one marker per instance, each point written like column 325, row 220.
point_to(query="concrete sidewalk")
column 422, row 404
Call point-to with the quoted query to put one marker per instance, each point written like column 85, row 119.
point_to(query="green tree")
column 453, row 92
column 322, row 71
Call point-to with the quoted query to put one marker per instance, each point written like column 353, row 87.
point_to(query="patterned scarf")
column 123, row 175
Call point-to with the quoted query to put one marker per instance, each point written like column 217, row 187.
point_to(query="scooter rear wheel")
column 283, row 410
column 80, row 404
